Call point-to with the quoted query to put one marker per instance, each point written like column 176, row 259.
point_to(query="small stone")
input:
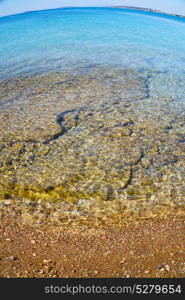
column 27, row 201
column 7, row 202
column 33, row 242
column 103, row 237
column 34, row 254
column 161, row 267
column 123, row 132
column 147, row 271
column 27, row 217
column 13, row 258
column 167, row 268
column 31, row 157
column 123, row 261
column 96, row 272
column 9, row 162
column 47, row 261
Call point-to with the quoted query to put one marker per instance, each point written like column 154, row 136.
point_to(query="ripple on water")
column 106, row 141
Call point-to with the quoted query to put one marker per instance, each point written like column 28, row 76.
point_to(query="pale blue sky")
column 16, row 6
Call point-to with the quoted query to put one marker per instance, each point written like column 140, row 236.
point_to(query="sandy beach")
column 151, row 248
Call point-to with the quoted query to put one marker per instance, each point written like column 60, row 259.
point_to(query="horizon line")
column 121, row 7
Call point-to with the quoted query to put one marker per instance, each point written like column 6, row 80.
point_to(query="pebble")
column 46, row 261
column 103, row 237
column 161, row 267
column 13, row 257
column 123, row 261
column 7, row 202
column 167, row 268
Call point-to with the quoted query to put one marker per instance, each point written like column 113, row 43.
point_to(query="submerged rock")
column 91, row 140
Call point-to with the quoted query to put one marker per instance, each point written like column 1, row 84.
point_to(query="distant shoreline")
column 149, row 10
column 123, row 7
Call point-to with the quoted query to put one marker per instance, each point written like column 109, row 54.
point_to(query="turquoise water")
column 66, row 38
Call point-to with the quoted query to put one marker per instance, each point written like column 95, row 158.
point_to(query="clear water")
column 62, row 38
column 99, row 122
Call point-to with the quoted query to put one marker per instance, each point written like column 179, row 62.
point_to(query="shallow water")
column 93, row 113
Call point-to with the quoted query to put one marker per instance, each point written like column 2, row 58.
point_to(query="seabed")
column 94, row 141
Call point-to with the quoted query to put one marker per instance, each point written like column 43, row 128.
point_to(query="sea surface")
column 61, row 38
column 92, row 104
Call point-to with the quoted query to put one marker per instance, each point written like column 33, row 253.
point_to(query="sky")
column 8, row 7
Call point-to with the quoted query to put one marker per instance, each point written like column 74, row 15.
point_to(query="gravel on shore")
column 145, row 248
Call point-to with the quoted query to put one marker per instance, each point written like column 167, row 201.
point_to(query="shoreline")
column 122, row 7
column 150, row 10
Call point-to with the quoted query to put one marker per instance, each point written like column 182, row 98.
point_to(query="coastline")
column 150, row 10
